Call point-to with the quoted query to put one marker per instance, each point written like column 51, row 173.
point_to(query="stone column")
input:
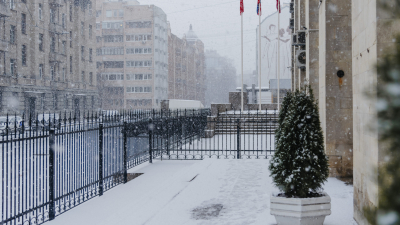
column 335, row 94
column 301, row 24
column 312, row 46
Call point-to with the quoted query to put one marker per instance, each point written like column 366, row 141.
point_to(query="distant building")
column 46, row 55
column 131, row 54
column 186, row 67
column 220, row 78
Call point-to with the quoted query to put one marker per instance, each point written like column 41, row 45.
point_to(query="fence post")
column 125, row 153
column 150, row 141
column 100, row 159
column 238, row 139
column 52, row 212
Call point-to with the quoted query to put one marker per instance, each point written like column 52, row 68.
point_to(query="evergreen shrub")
column 299, row 166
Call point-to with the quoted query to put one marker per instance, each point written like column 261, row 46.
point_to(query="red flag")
column 278, row 5
column 241, row 7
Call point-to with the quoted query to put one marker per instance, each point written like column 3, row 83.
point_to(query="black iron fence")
column 54, row 162
column 228, row 135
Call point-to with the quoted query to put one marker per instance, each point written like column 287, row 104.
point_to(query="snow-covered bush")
column 299, row 166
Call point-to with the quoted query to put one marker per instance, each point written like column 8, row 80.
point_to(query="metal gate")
column 229, row 135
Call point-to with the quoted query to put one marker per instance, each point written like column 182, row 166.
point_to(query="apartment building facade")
column 186, row 71
column 46, row 55
column 131, row 54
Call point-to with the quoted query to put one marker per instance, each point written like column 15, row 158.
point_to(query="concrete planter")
column 300, row 211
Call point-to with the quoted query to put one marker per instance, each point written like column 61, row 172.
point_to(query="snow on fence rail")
column 51, row 164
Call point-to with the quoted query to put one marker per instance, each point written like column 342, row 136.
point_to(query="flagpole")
column 279, row 58
column 241, row 15
column 259, row 54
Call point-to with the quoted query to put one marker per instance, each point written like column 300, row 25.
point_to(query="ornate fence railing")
column 230, row 135
column 54, row 162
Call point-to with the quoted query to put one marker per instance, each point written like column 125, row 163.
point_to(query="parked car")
column 49, row 121
column 14, row 124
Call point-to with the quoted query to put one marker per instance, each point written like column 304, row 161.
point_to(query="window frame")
column 23, row 55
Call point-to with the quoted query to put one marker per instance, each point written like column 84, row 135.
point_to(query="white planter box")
column 300, row 211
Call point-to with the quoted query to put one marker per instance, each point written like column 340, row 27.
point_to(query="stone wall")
column 372, row 37
column 336, row 93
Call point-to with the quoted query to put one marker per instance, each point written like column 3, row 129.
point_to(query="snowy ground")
column 211, row 191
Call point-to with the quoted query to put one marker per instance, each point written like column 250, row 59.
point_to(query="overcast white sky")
column 217, row 23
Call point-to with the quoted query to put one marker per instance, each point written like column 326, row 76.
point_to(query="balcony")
column 56, row 28
column 4, row 9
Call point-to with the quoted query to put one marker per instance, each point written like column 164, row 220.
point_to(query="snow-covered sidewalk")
column 211, row 191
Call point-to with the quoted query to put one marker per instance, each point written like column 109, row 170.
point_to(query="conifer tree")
column 287, row 101
column 388, row 107
column 299, row 166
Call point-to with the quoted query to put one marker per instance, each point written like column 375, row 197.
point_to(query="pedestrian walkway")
column 197, row 192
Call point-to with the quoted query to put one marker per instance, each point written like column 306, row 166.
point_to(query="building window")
column 52, row 15
column 138, row 37
column 70, row 64
column 55, row 101
column 138, row 89
column 23, row 55
column 12, row 34
column 121, row 13
column 112, row 25
column 70, row 13
column 63, row 20
column 98, row 13
column 91, row 78
column 12, row 67
column 113, row 38
column 82, row 53
column 98, row 39
column 40, row 11
column 90, row 8
column 90, row 31
column 92, row 102
column 12, row 4
column 63, row 74
column 110, row 51
column 64, row 47
column 109, row 13
column 23, row 23
column 53, row 44
column 70, row 39
column 138, row 51
column 147, row 63
column 146, row 24
column 90, row 55
column 41, row 42
column 112, row 76
column 41, row 71
column 114, row 64
column 52, row 72
column 82, row 28
column 83, row 76
column 138, row 76
column 98, row 26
